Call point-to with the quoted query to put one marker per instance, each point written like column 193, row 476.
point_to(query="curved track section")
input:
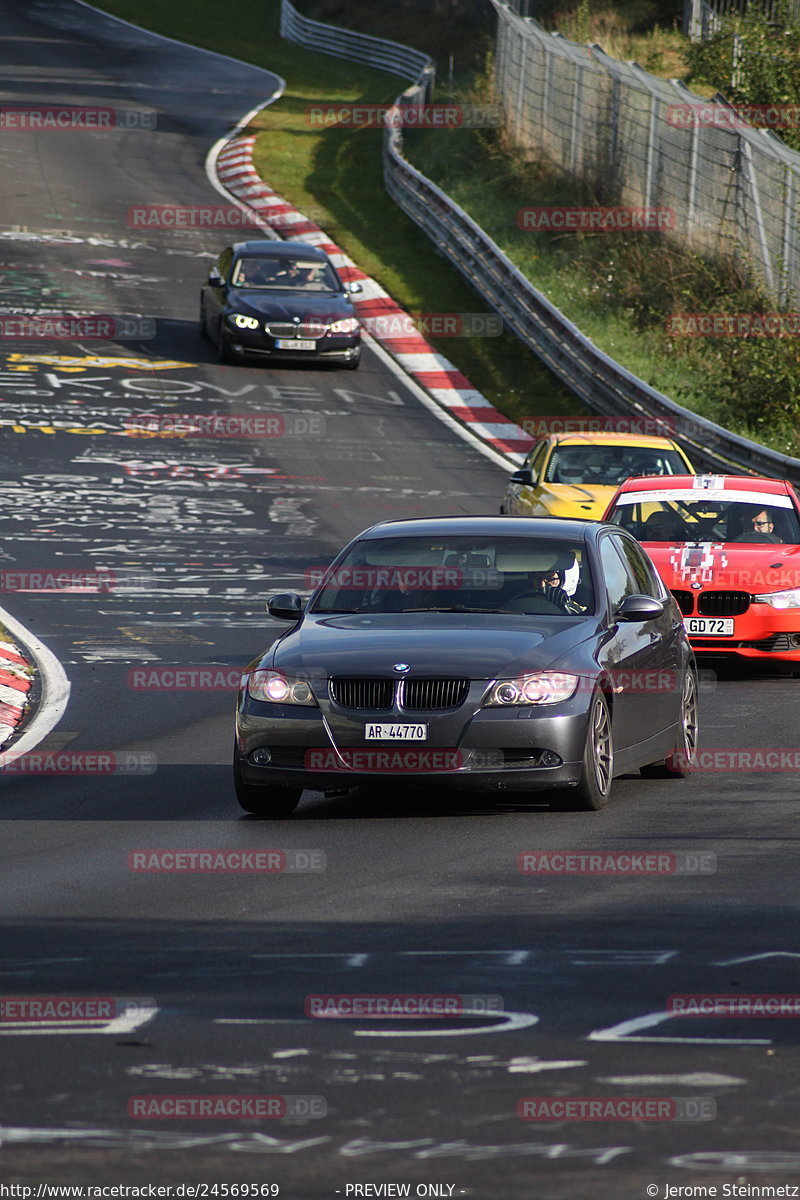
column 174, row 543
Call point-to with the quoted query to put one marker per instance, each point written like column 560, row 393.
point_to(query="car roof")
column 700, row 483
column 609, row 438
column 264, row 248
column 491, row 526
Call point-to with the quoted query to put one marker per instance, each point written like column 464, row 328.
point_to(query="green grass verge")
column 335, row 177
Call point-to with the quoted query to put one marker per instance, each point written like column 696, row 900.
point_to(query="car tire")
column 683, row 759
column 594, row 785
column 203, row 327
column 353, row 363
column 263, row 800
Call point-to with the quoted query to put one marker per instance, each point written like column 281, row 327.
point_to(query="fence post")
column 788, row 273
column 521, row 63
column 653, row 136
column 737, row 59
column 547, row 89
column 691, row 26
column 575, row 138
column 749, row 174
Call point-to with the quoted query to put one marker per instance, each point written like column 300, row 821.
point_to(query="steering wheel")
column 530, row 602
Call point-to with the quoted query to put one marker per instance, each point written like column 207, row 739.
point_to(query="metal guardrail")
column 603, row 384
column 355, row 47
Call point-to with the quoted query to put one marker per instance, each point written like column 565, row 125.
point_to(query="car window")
column 516, row 575
column 643, row 573
column 696, row 516
column 264, row 272
column 619, row 583
column 536, row 459
column 224, row 262
column 608, row 466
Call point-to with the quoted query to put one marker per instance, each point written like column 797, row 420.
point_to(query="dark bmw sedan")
column 494, row 653
column 280, row 300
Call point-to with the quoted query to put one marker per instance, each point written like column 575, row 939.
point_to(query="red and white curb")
column 376, row 308
column 54, row 689
column 15, row 683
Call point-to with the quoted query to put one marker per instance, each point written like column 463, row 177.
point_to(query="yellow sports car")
column 576, row 474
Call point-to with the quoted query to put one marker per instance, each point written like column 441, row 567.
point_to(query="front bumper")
column 256, row 342
column 485, row 749
column 762, row 632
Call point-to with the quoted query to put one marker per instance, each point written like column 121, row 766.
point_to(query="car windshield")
column 459, row 574
column 609, row 466
column 690, row 516
column 284, row 274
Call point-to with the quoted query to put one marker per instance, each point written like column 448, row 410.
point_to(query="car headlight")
column 347, row 325
column 277, row 688
column 243, row 322
column 787, row 599
column 544, row 687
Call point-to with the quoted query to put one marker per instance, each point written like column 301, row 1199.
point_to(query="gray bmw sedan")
column 501, row 654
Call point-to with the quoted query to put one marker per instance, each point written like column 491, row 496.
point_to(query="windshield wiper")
column 456, row 608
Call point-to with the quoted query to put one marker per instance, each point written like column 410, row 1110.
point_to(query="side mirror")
column 640, row 608
column 524, row 476
column 353, row 286
column 214, row 277
column 286, row 607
